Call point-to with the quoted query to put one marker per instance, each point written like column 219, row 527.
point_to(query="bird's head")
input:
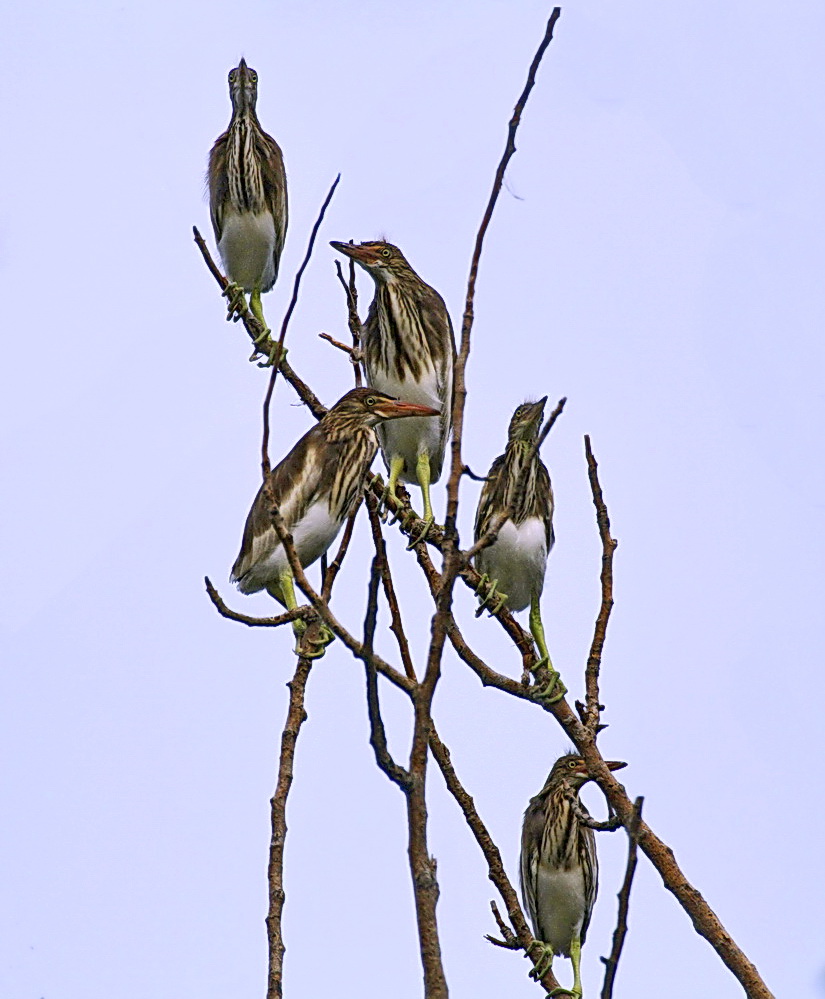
column 384, row 261
column 243, row 88
column 572, row 770
column 526, row 421
column 368, row 407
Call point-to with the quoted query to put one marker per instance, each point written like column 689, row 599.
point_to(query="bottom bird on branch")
column 559, row 867
column 314, row 489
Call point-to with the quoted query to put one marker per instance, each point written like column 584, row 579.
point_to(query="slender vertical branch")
column 593, row 709
column 296, row 716
column 459, row 382
column 353, row 319
column 619, row 934
column 265, row 466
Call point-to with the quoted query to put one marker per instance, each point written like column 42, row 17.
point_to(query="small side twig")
column 353, row 319
column 611, row 963
column 592, row 710
column 510, row 941
column 334, row 567
column 303, row 611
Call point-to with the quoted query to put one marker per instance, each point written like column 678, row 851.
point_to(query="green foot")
column 233, row 293
column 545, row 959
column 425, row 530
column 546, row 692
column 492, row 591
column 276, row 355
column 312, row 639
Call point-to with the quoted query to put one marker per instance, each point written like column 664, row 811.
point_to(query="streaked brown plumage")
column 515, row 564
column 247, row 193
column 559, row 867
column 409, row 350
column 315, row 488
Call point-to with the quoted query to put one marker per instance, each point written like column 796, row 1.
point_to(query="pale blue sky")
column 659, row 262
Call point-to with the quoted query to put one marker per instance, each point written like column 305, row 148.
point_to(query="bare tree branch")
column 619, row 934
column 255, row 331
column 354, row 320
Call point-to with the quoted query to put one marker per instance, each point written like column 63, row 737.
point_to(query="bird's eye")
column 573, row 764
column 232, row 76
column 253, row 76
column 386, row 252
column 371, row 401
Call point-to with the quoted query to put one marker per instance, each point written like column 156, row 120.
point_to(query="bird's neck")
column 246, row 189
column 520, row 475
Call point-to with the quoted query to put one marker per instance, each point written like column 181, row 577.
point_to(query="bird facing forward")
column 315, row 489
column 409, row 349
column 513, row 566
column 247, row 197
column 559, row 866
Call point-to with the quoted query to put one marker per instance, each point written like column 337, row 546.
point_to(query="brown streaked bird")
column 247, row 196
column 513, row 567
column 559, row 867
column 409, row 349
column 315, row 488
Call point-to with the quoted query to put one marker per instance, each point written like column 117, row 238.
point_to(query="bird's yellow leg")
column 396, row 467
column 422, row 471
column 318, row 644
column 576, row 958
column 554, row 689
column 545, row 959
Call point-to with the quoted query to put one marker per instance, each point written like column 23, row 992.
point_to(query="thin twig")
column 396, row 624
column 459, row 382
column 296, row 716
column 611, row 963
column 510, row 941
column 255, row 622
column 265, row 466
column 592, row 709
column 335, row 565
column 353, row 319
column 336, row 343
column 378, row 736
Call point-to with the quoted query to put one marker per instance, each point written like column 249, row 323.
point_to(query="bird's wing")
column 292, row 491
column 218, row 187
column 545, row 489
column 532, row 832
column 590, row 867
column 274, row 180
column 490, row 499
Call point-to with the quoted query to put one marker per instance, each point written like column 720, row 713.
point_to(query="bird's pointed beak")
column 615, row 764
column 396, row 409
column 360, row 254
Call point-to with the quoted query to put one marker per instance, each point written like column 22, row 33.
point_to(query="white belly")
column 410, row 437
column 312, row 535
column 560, row 903
column 517, row 560
column 246, row 248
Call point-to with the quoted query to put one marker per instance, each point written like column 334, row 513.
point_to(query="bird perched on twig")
column 513, row 566
column 409, row 349
column 247, row 197
column 559, row 866
column 315, row 488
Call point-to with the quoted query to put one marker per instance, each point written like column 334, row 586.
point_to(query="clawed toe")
column 552, row 691
column 425, row 530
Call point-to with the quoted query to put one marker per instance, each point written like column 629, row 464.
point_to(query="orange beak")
column 360, row 254
column 392, row 410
